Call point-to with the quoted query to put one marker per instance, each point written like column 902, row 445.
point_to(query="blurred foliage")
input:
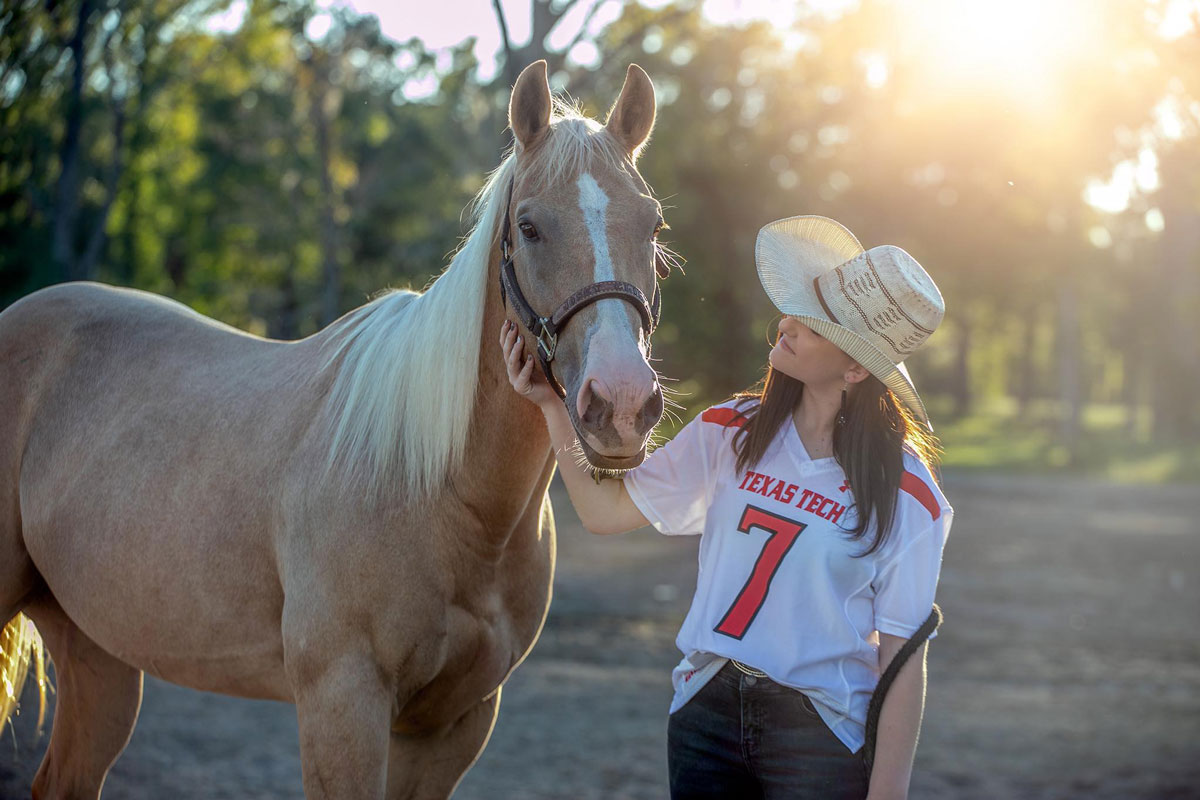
column 277, row 174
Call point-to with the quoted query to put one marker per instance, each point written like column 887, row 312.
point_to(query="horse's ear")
column 632, row 116
column 529, row 106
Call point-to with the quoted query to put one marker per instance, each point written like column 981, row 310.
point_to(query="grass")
column 1111, row 445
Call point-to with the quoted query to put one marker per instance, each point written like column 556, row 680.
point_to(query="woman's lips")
column 784, row 344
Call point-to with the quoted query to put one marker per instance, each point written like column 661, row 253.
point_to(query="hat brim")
column 791, row 253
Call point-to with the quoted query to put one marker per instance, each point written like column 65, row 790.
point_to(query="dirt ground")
column 1068, row 667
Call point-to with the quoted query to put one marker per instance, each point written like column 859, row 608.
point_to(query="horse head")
column 582, row 218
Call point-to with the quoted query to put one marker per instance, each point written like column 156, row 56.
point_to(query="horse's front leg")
column 430, row 766
column 344, row 709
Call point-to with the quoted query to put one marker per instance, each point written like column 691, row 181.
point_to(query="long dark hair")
column 869, row 447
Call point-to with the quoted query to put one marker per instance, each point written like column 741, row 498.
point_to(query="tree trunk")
column 286, row 323
column 97, row 241
column 1069, row 370
column 1177, row 364
column 66, row 195
column 1026, row 371
column 1133, row 370
column 962, row 368
column 331, row 271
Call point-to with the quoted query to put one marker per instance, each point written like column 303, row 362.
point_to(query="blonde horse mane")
column 407, row 362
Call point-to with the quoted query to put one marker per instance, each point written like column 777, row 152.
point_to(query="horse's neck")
column 508, row 456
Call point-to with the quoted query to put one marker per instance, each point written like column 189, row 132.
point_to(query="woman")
column 822, row 529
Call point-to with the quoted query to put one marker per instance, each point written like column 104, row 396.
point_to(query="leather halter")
column 546, row 329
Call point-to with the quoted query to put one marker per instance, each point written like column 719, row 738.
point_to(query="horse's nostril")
column 593, row 391
column 599, row 413
column 651, row 412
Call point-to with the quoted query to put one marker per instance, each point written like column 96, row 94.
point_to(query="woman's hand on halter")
column 526, row 380
column 603, row 507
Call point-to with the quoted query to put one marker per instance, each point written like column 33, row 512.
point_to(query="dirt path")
column 1069, row 667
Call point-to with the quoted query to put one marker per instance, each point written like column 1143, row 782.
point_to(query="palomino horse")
column 356, row 522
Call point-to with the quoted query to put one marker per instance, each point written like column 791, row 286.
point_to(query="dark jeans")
column 747, row 737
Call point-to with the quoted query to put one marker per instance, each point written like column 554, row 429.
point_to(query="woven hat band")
column 873, row 297
column 824, row 305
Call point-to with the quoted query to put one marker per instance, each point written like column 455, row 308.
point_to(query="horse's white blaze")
column 610, row 333
column 613, row 354
column 593, row 202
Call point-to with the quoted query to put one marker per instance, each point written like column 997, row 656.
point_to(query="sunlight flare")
column 1017, row 47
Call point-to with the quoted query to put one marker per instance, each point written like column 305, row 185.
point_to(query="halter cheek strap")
column 546, row 329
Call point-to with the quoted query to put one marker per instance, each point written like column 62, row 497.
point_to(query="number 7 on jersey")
column 782, row 535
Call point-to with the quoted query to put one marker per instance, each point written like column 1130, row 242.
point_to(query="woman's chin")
column 778, row 359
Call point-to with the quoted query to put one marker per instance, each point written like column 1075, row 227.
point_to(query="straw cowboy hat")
column 877, row 305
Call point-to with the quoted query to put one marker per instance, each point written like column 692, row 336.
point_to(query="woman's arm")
column 899, row 722
column 603, row 507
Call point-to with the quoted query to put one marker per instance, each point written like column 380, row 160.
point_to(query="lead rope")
column 919, row 638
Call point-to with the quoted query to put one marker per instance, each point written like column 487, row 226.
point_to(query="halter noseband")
column 547, row 329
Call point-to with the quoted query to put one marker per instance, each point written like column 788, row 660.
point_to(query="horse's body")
column 170, row 503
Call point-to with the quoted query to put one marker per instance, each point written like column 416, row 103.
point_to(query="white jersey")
column 779, row 587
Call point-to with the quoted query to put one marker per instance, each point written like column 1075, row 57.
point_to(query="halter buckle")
column 547, row 339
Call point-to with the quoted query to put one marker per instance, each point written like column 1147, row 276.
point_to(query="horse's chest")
column 487, row 631
column 484, row 656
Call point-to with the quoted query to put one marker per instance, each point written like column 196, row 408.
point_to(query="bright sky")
column 448, row 22
column 444, row 23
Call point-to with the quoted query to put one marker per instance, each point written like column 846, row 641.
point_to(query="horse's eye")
column 528, row 231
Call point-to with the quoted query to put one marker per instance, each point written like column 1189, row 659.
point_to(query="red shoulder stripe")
column 916, row 487
column 725, row 417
